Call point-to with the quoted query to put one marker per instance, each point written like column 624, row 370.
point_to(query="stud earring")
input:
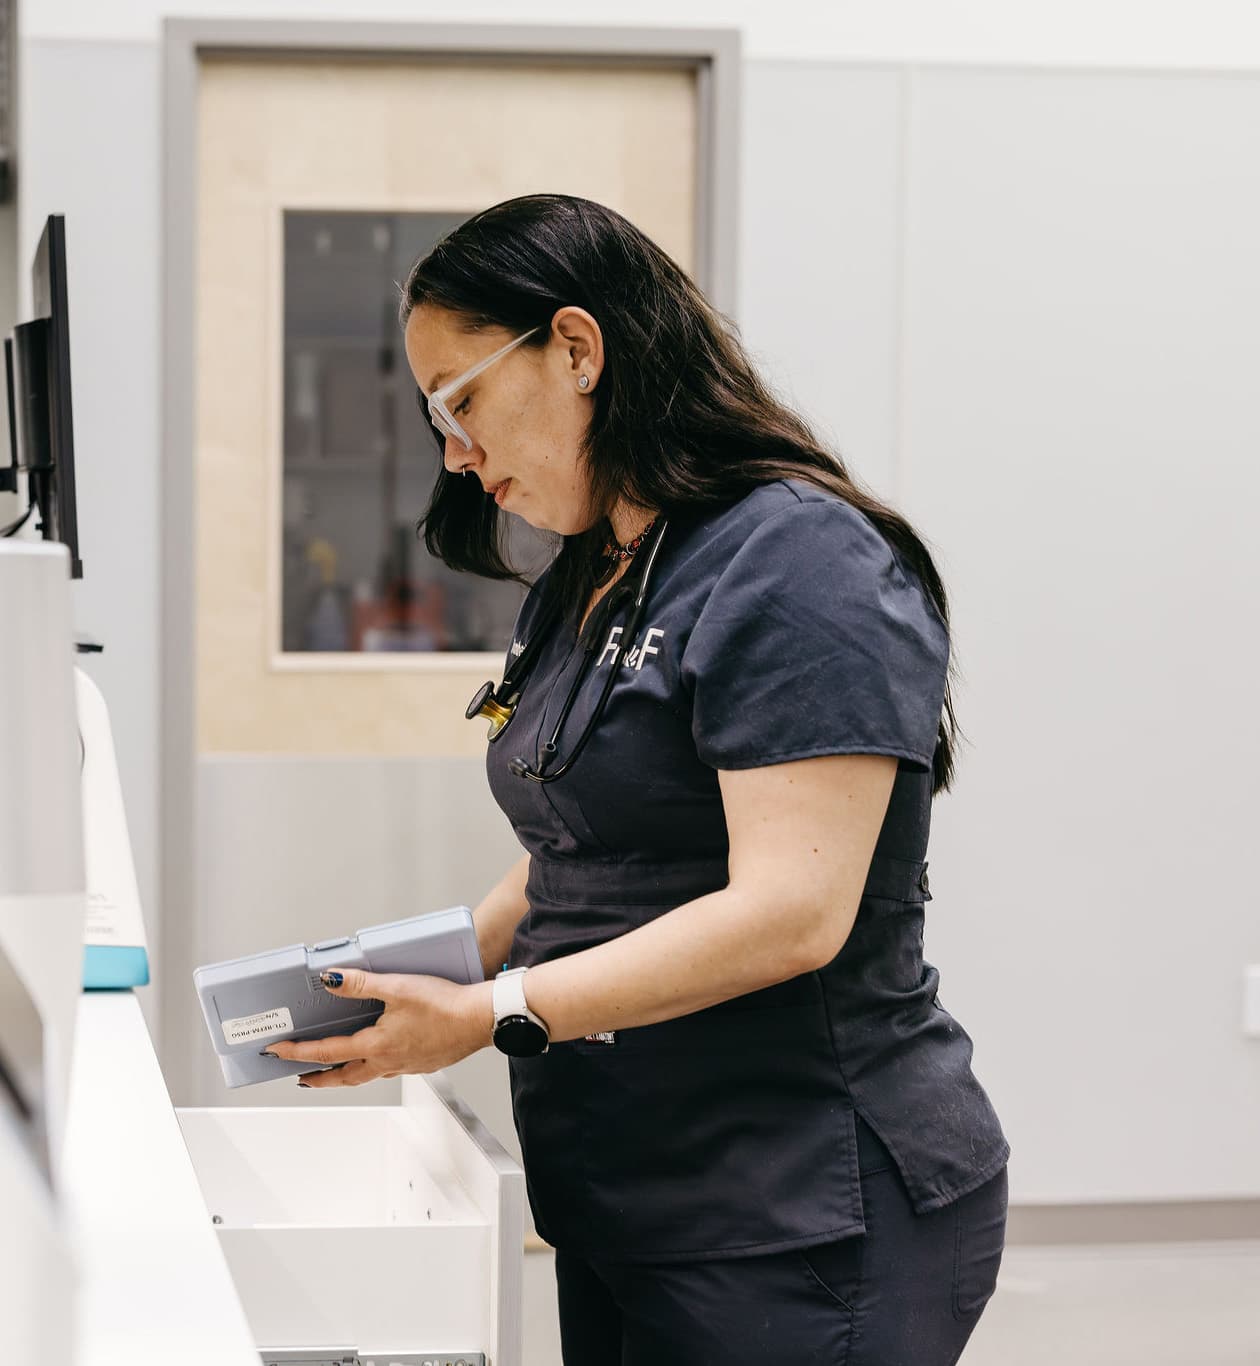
column 583, row 382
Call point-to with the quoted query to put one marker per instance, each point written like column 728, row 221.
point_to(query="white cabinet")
column 316, row 1236
column 152, row 1286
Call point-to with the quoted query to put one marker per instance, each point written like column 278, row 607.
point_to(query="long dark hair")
column 680, row 419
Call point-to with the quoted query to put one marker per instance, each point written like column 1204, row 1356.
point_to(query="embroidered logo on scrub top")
column 517, row 649
column 635, row 658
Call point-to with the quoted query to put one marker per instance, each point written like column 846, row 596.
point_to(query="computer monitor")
column 37, row 370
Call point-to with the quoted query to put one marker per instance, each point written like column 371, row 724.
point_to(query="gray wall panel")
column 297, row 850
column 819, row 300
column 90, row 136
column 1083, row 346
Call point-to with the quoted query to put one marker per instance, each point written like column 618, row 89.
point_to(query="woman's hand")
column 429, row 1023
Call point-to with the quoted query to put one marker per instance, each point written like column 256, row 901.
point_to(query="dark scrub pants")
column 907, row 1291
column 782, row 627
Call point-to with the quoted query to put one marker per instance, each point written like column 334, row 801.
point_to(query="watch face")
column 519, row 1037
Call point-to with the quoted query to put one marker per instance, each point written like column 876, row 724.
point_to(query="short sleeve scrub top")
column 778, row 628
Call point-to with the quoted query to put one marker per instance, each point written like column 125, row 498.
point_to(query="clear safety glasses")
column 441, row 416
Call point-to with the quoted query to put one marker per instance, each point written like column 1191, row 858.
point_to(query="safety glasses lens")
column 447, row 426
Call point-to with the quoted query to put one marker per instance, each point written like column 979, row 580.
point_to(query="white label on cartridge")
column 260, row 1026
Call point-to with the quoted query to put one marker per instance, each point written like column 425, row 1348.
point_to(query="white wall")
column 1126, row 33
column 1024, row 303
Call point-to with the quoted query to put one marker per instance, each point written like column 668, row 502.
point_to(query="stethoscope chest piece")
column 485, row 704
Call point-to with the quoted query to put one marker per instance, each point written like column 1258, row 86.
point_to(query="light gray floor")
column 541, row 1332
column 1176, row 1304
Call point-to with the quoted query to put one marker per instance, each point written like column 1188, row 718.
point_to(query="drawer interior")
column 349, row 1167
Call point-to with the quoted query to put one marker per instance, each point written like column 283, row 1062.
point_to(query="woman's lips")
column 498, row 491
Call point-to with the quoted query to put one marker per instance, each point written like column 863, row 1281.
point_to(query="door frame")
column 715, row 57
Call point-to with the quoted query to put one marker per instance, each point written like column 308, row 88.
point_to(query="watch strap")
column 508, row 997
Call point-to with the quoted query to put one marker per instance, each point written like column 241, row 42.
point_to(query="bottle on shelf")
column 327, row 626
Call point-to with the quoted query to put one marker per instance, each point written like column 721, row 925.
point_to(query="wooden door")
column 368, row 133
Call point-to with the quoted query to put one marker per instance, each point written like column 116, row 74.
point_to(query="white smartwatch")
column 518, row 1032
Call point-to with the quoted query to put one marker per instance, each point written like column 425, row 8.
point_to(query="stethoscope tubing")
column 518, row 766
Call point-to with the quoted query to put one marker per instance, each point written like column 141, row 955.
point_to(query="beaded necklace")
column 615, row 551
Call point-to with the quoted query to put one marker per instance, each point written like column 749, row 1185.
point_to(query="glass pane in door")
column 360, row 461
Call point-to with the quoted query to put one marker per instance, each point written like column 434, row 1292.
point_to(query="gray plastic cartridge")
column 253, row 1001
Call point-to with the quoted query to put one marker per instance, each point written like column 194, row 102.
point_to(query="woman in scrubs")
column 750, row 1129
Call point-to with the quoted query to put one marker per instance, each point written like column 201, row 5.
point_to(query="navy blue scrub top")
column 778, row 628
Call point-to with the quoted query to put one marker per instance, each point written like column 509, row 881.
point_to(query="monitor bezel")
column 50, row 298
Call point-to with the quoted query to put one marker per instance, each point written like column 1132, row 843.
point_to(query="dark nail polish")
column 331, row 979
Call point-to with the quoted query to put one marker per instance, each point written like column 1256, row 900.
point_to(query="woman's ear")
column 583, row 343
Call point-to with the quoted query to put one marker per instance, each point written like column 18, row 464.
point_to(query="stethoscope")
column 498, row 705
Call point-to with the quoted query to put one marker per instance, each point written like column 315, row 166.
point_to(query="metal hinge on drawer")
column 312, row 1356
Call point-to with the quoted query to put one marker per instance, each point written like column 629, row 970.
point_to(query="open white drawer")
column 382, row 1234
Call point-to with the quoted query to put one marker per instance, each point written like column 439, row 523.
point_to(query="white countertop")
column 154, row 1286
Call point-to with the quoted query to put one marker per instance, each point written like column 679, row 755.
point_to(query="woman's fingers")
column 350, row 1074
column 338, row 1048
column 354, row 982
